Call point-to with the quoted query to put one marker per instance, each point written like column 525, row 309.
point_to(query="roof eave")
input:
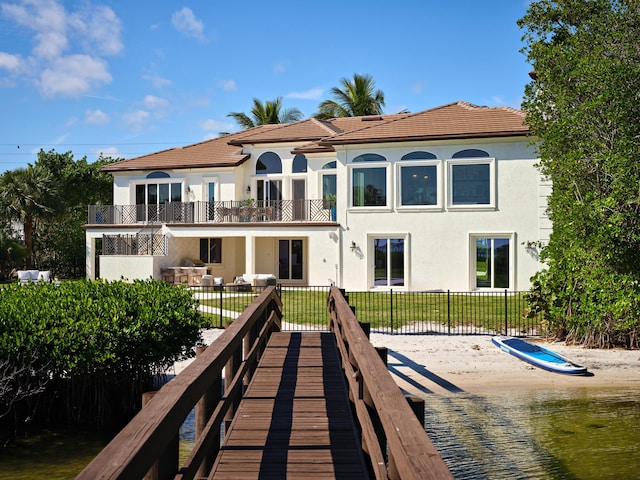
column 177, row 166
column 448, row 136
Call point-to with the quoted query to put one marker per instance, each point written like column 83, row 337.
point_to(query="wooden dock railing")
column 147, row 447
column 387, row 422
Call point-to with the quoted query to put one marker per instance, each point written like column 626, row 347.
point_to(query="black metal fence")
column 392, row 312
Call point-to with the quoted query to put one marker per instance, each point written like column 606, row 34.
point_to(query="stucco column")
column 90, row 253
column 250, row 254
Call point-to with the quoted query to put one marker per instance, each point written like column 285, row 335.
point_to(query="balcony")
column 212, row 212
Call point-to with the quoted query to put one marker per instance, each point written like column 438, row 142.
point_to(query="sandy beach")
column 471, row 363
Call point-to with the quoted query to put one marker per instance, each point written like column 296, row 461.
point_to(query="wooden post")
column 166, row 466
column 366, row 328
column 417, row 405
column 383, row 353
column 230, row 370
column 203, row 411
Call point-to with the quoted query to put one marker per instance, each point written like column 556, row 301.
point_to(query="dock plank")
column 294, row 420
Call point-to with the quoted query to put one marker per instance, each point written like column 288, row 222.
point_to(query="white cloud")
column 136, row 120
column 47, row 18
column 10, row 62
column 96, row 117
column 155, row 103
column 112, row 152
column 229, row 86
column 73, row 76
column 66, row 58
column 313, row 94
column 211, row 125
column 99, row 29
column 186, row 22
column 156, row 80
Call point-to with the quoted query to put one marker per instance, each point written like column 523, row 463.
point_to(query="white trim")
column 511, row 236
column 406, row 236
column 492, row 183
column 439, row 185
column 388, row 185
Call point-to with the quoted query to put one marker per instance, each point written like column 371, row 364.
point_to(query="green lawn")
column 454, row 313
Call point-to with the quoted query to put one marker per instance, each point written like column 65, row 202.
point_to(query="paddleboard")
column 538, row 356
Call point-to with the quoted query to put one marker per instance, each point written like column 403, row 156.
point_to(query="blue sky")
column 125, row 78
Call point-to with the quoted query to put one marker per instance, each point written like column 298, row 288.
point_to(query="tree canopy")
column 49, row 200
column 582, row 106
column 358, row 97
column 266, row 113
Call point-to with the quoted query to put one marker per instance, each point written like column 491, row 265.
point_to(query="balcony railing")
column 138, row 244
column 212, row 212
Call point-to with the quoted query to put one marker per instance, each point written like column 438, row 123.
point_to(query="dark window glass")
column 470, row 184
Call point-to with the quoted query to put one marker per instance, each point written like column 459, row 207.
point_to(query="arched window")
column 329, row 165
column 299, row 164
column 418, row 155
column 471, row 153
column 158, row 175
column 269, row 162
column 369, row 157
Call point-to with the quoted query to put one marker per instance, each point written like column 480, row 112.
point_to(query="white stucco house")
column 447, row 198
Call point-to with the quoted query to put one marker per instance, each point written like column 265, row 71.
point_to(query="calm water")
column 538, row 434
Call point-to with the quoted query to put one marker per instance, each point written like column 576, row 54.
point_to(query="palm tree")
column 357, row 98
column 269, row 112
column 26, row 193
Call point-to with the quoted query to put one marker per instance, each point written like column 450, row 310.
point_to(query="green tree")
column 358, row 97
column 59, row 238
column 26, row 194
column 582, row 106
column 50, row 200
column 266, row 113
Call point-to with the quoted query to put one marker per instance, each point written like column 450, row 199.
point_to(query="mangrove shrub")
column 93, row 346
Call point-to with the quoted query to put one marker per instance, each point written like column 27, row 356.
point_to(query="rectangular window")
column 418, row 185
column 492, row 262
column 369, row 187
column 470, row 184
column 290, row 259
column 389, row 262
column 329, row 190
column 211, row 250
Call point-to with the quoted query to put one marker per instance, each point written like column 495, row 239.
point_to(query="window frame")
column 388, row 185
column 451, row 163
column 218, row 241
column 439, row 184
column 371, row 238
column 473, row 268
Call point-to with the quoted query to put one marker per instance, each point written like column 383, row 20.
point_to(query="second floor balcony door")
column 269, row 195
column 153, row 201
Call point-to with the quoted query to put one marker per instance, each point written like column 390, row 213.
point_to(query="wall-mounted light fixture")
column 353, row 245
column 248, row 189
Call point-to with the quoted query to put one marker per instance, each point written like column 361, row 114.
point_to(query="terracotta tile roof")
column 216, row 152
column 455, row 120
column 308, row 130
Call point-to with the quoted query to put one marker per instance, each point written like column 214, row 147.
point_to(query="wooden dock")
column 294, row 420
column 312, row 405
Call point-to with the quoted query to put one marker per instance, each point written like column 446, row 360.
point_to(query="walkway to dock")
column 294, row 420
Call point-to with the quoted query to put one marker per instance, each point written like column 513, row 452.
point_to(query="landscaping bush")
column 95, row 346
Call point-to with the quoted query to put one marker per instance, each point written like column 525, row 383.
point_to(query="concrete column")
column 250, row 254
column 90, row 248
